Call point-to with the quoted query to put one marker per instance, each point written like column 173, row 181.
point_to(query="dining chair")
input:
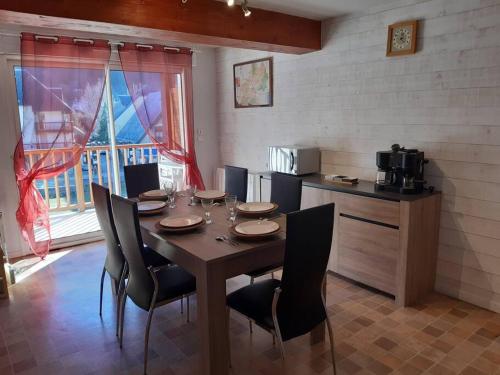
column 115, row 264
column 148, row 287
column 295, row 305
column 236, row 182
column 140, row 178
column 286, row 192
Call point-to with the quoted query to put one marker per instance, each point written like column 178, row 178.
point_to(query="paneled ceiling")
column 317, row 9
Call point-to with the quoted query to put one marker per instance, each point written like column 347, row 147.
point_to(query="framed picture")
column 253, row 83
column 402, row 38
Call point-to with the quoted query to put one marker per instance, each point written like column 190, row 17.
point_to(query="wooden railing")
column 72, row 188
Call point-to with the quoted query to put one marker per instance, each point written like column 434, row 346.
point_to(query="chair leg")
column 272, row 275
column 228, row 317
column 182, row 305
column 280, row 342
column 332, row 344
column 146, row 339
column 102, row 286
column 277, row 331
column 122, row 318
column 119, row 296
column 187, row 308
column 250, row 324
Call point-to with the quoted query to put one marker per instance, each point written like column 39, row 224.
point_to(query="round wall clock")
column 402, row 38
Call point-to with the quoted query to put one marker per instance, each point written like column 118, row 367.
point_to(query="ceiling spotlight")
column 230, row 3
column 244, row 6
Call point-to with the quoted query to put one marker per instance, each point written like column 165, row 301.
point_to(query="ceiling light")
column 230, row 3
column 247, row 12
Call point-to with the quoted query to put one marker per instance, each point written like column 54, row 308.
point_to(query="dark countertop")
column 364, row 188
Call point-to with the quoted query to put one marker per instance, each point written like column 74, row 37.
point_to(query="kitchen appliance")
column 296, row 160
column 401, row 170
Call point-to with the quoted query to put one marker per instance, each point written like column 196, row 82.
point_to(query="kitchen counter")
column 363, row 188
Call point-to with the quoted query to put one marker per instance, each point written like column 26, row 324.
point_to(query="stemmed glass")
column 231, row 203
column 170, row 189
column 191, row 191
column 207, row 205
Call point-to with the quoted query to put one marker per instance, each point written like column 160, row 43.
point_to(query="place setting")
column 256, row 208
column 179, row 224
column 150, row 207
column 251, row 229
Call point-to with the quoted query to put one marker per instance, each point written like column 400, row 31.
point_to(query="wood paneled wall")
column 351, row 100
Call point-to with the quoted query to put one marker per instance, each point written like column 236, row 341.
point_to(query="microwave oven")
column 296, row 160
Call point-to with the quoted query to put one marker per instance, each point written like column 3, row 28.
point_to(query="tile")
column 385, row 343
column 421, row 362
column 56, row 330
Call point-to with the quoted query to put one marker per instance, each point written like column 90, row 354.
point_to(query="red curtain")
column 62, row 86
column 160, row 83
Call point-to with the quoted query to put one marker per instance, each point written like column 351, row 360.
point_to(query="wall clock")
column 402, row 38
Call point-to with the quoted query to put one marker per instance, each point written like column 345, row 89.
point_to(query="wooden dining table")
column 212, row 262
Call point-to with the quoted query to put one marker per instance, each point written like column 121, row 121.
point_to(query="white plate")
column 181, row 221
column 210, row 194
column 257, row 227
column 256, row 206
column 155, row 193
column 150, row 205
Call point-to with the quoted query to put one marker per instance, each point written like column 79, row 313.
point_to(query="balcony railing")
column 71, row 190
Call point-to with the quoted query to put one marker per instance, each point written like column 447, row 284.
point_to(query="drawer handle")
column 369, row 221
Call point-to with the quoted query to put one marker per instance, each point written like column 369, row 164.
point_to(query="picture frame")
column 402, row 28
column 253, row 83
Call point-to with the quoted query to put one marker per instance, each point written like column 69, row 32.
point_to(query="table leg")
column 211, row 295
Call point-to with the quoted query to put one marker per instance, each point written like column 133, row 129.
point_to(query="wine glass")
column 207, row 205
column 231, row 203
column 191, row 191
column 170, row 189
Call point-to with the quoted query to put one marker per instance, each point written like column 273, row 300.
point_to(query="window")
column 115, row 142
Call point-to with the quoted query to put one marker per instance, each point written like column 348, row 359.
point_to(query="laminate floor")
column 51, row 325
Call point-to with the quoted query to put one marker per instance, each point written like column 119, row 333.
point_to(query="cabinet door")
column 368, row 253
column 265, row 190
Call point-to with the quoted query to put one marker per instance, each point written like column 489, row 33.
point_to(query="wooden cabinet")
column 388, row 244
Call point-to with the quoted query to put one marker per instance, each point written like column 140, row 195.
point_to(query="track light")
column 230, row 3
column 244, row 6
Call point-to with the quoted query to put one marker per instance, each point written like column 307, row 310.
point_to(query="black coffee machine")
column 401, row 170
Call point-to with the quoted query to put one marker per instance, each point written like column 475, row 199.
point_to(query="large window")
column 115, row 142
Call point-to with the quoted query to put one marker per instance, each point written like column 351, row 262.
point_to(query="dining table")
column 213, row 262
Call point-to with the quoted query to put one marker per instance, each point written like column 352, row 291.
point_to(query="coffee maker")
column 400, row 170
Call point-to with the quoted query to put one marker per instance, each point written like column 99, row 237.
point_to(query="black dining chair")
column 115, row 265
column 236, row 182
column 148, row 287
column 140, row 178
column 295, row 305
column 286, row 192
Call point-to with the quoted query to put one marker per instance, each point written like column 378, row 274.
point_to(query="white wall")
column 351, row 100
column 204, row 115
column 9, row 198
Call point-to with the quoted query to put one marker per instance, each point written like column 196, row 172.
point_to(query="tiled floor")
column 51, row 326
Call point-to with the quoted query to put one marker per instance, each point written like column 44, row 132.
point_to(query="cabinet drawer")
column 368, row 253
column 372, row 209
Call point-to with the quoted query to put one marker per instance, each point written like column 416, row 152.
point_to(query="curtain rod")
column 111, row 43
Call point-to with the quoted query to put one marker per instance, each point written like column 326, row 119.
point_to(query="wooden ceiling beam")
column 206, row 22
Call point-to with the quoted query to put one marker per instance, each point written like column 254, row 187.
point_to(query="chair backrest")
column 140, row 178
column 286, row 192
column 140, row 286
column 114, row 257
column 236, row 182
column 308, row 242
